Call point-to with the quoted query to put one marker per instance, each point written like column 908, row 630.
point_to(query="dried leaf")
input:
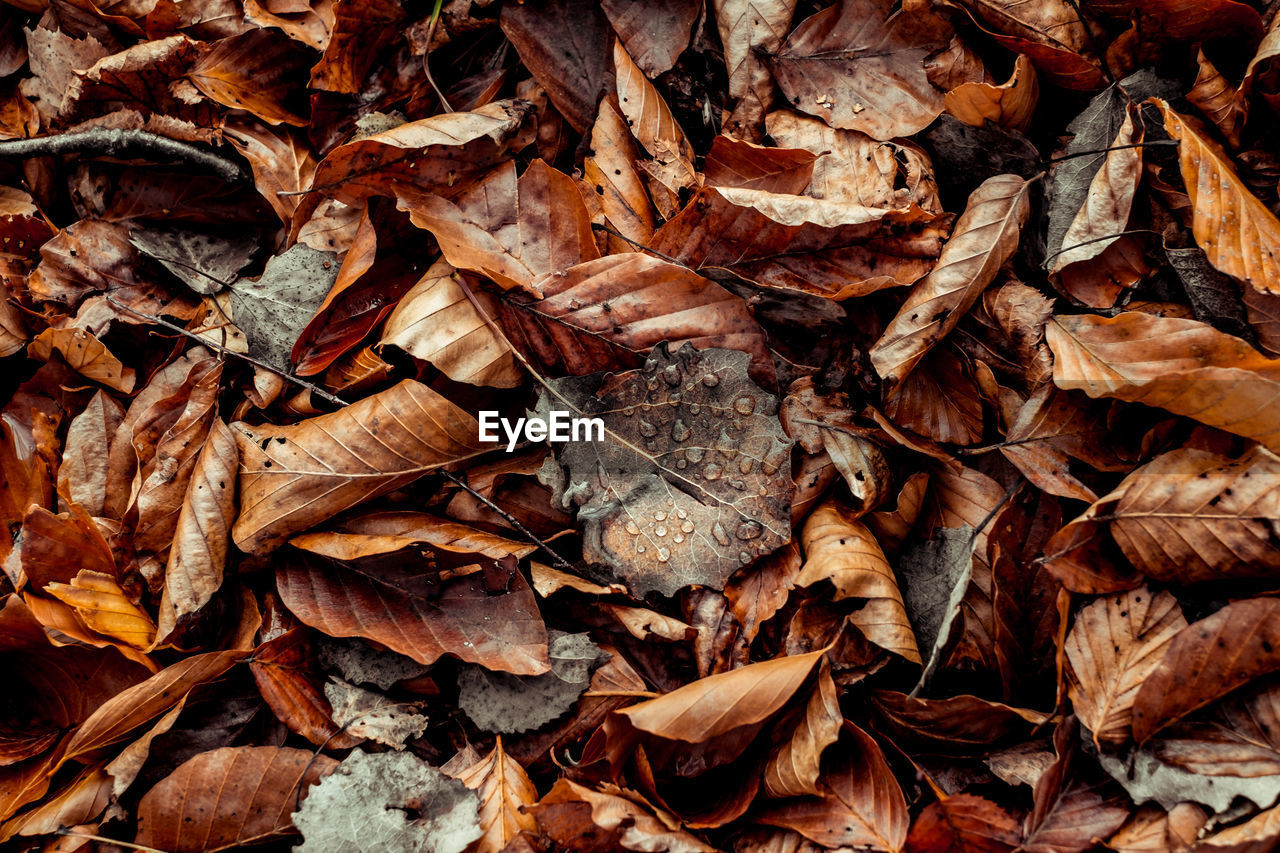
column 500, row 702
column 794, row 768
column 505, row 793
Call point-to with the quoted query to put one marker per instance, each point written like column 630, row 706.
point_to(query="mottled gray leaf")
column 965, row 156
column 360, row 663
column 1145, row 777
column 934, row 575
column 369, row 714
column 205, row 262
column 1069, row 180
column 273, row 310
column 501, row 702
column 692, row 480
column 393, row 802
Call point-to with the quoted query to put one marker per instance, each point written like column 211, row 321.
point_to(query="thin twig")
column 104, row 142
column 641, row 246
column 1147, row 144
column 1053, row 255
column 89, row 836
column 1093, row 44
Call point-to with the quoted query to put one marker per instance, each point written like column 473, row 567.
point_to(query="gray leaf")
column 364, row 807
column 1069, row 180
column 934, row 575
column 1145, row 777
column 1214, row 297
column 203, row 262
column 501, row 702
column 273, row 310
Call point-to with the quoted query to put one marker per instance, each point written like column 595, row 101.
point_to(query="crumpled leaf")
column 369, row 714
column 391, row 802
column 575, row 816
column 205, row 261
column 691, row 481
column 506, row 795
column 750, row 31
column 964, row 823
column 501, row 702
column 794, row 768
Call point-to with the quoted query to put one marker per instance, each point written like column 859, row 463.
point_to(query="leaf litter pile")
column 933, row 501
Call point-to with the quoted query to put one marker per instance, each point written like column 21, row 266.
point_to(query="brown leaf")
column 1219, row 197
column 984, row 238
column 1052, row 34
column 202, row 538
column 1183, row 366
column 1010, row 105
column 735, row 163
column 357, row 35
column 566, row 47
column 751, row 30
column 254, row 71
column 284, row 670
column 82, row 476
column 105, row 608
column 609, row 313
column 654, row 33
column 578, row 818
column 504, row 230
column 655, row 128
column 863, row 805
column 1107, row 203
column 794, row 767
column 127, row 710
column 1218, row 100
column 1208, row 659
column 1114, row 645
column 84, row 354
column 956, row 724
column 840, row 549
column 460, row 621
column 834, row 249
column 612, row 171
column 293, row 477
column 860, row 66
column 964, row 823
column 1235, row 737
column 229, row 797
column 505, row 791
column 436, row 322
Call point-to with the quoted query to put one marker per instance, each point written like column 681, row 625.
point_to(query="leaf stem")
column 1148, row 143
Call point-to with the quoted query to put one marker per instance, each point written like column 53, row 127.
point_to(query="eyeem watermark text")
column 559, row 427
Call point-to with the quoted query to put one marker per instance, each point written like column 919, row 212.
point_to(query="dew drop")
column 744, row 556
column 746, row 463
column 679, row 537
column 711, row 380
column 632, row 528
column 679, row 431
column 749, row 530
column 671, row 373
column 682, row 464
column 647, row 429
column 663, row 555
column 738, row 484
column 660, row 531
column 717, row 530
column 695, row 408
column 640, row 549
column 768, row 467
column 712, row 471
column 629, row 411
column 687, row 527
column 695, row 454
column 680, row 512
column 646, row 406
column 659, row 516
column 652, row 384
column 745, row 404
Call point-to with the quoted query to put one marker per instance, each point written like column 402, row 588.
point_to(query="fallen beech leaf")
column 1180, row 365
column 862, row 806
column 357, row 34
column 436, row 322
column 293, row 689
column 293, row 477
column 655, row 34
column 682, row 489
column 566, row 47
column 104, row 607
column 1114, row 645
column 1208, row 659
column 1152, row 828
column 936, row 574
column 831, row 248
column 794, row 767
column 653, row 126
column 840, row 549
column 200, row 544
column 82, row 476
column 229, row 797
column 86, row 355
column 859, row 65
column 505, row 793
column 377, row 533
column 501, row 702
column 612, row 171
column 610, row 312
column 1074, row 805
column 575, row 817
column 503, row 228
column 1010, row 105
column 984, row 237
column 458, row 621
column 750, row 31
column 204, row 262
column 1218, row 100
column 957, row 724
column 114, row 719
column 393, row 802
column 1051, row 33
column 735, row 163
column 256, row 71
column 1217, row 197
column 964, row 823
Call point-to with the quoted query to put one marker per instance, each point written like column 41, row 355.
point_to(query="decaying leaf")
column 500, row 702
column 391, row 801
column 689, row 481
